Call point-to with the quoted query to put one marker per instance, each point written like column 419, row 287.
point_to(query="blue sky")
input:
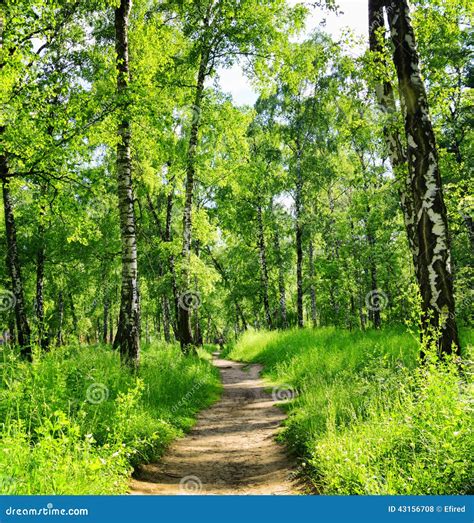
column 354, row 16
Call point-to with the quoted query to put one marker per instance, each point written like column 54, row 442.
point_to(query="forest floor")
column 232, row 447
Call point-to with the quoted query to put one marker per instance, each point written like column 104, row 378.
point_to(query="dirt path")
column 230, row 450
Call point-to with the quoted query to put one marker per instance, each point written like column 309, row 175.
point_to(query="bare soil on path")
column 232, row 447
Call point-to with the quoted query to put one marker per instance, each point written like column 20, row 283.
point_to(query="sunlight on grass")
column 366, row 420
column 76, row 420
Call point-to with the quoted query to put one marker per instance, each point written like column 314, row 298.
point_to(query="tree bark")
column 299, row 239
column 13, row 263
column 376, row 318
column 185, row 329
column 262, row 256
column 374, row 312
column 105, row 320
column 39, row 301
column 281, row 274
column 171, row 262
column 111, row 327
column 312, row 289
column 73, row 315
column 395, row 146
column 128, row 331
column 166, row 319
column 198, row 339
column 23, row 332
column 431, row 224
column 59, row 335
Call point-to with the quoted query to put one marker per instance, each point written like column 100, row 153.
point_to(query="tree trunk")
column 128, row 331
column 396, row 149
column 281, row 275
column 167, row 238
column 299, row 239
column 185, row 330
column 377, row 321
column 375, row 310
column 74, row 316
column 262, row 255
column 105, row 320
column 13, row 263
column 111, row 327
column 362, row 316
column 39, row 301
column 198, row 339
column 59, row 335
column 352, row 313
column 312, row 290
column 166, row 319
column 12, row 338
column 431, row 224
column 23, row 333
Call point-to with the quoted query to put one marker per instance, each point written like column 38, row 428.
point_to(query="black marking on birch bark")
column 434, row 263
column 128, row 331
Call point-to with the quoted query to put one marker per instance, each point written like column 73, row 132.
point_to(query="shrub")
column 76, row 420
column 366, row 418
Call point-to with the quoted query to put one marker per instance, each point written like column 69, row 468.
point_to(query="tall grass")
column 76, row 420
column 366, row 419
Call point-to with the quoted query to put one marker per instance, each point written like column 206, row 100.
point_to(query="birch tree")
column 128, row 332
column 433, row 257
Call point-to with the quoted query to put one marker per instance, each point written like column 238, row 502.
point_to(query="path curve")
column 232, row 447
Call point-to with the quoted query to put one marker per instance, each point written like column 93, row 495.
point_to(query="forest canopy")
column 139, row 199
column 324, row 231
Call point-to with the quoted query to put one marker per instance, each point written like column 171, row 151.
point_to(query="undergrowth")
column 365, row 417
column 76, row 421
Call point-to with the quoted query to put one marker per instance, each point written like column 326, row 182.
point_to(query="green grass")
column 365, row 418
column 76, row 421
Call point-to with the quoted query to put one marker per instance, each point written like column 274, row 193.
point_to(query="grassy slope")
column 76, row 421
column 365, row 420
